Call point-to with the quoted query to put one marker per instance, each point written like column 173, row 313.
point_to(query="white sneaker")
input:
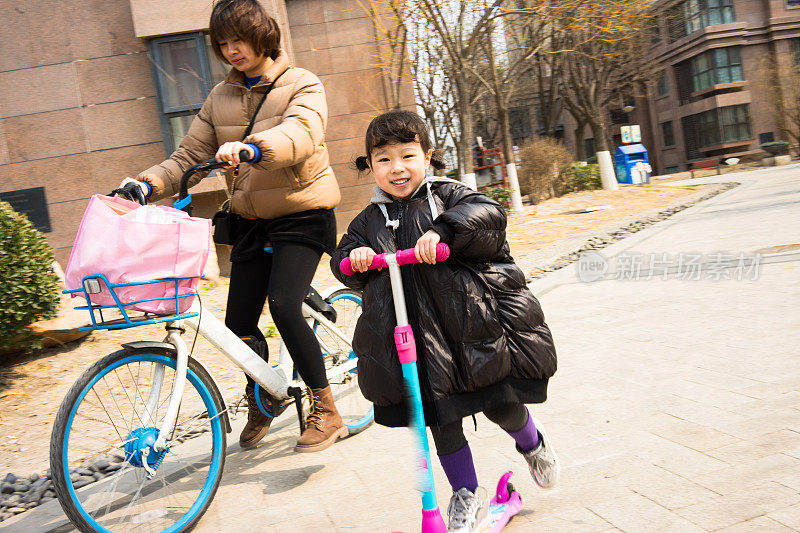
column 542, row 460
column 468, row 512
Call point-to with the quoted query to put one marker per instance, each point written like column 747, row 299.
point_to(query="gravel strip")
column 598, row 239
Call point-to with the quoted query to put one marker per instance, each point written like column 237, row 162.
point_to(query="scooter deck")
column 506, row 504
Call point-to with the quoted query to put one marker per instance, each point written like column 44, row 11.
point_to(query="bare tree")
column 603, row 58
column 778, row 78
column 388, row 19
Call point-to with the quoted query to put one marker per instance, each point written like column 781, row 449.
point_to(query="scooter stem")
column 432, row 521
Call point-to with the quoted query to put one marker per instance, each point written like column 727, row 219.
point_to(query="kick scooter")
column 506, row 502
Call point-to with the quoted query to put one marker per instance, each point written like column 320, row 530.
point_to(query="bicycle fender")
column 216, row 392
column 149, row 344
column 330, row 290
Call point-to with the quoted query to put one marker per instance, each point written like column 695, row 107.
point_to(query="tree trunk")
column 580, row 146
column 599, row 131
column 465, row 119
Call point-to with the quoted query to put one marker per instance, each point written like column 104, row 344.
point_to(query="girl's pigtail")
column 437, row 160
column 361, row 163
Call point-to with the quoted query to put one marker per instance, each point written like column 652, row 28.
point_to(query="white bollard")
column 513, row 184
column 607, row 175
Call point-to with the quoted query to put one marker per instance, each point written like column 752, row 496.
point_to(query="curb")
column 562, row 253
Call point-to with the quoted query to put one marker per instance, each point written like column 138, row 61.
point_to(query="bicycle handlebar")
column 404, row 257
column 130, row 191
column 208, row 164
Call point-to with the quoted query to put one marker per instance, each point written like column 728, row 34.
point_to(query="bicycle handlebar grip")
column 404, row 257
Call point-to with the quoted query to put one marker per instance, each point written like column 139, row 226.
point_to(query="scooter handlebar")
column 404, row 257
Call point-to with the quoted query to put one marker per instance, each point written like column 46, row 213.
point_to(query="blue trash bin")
column 626, row 157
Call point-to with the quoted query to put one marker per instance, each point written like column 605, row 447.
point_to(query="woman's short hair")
column 246, row 20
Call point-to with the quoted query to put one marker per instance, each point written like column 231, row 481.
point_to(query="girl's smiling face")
column 399, row 168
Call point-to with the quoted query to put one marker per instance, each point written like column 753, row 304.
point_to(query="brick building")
column 95, row 91
column 706, row 99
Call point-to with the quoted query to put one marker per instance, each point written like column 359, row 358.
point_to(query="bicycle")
column 134, row 448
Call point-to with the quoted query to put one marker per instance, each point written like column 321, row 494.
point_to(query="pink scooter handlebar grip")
column 404, row 257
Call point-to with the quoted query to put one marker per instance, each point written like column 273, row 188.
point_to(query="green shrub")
column 501, row 195
column 542, row 169
column 776, row 148
column 30, row 286
column 583, row 177
column 591, row 160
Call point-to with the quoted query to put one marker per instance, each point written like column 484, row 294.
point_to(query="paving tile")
column 758, row 446
column 757, row 525
column 691, row 435
column 741, row 506
column 789, row 517
column 578, row 520
column 665, row 488
column 779, row 468
column 637, row 513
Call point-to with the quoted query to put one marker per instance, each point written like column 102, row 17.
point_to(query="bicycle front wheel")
column 106, row 472
column 356, row 411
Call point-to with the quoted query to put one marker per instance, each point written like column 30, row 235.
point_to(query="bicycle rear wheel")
column 105, row 472
column 356, row 411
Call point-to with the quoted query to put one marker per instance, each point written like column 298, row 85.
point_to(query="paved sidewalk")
column 676, row 406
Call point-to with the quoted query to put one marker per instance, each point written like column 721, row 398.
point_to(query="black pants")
column 450, row 438
column 284, row 276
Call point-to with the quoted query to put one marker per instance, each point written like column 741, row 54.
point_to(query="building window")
column 185, row 69
column 692, row 15
column 793, row 3
column 618, row 116
column 673, row 170
column 590, row 149
column 721, row 125
column 721, row 65
column 655, row 32
column 668, row 133
column 766, row 137
column 663, row 83
column 796, row 48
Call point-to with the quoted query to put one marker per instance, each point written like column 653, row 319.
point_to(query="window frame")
column 713, row 70
column 662, row 84
column 713, row 124
column 690, row 16
column 664, row 126
column 166, row 113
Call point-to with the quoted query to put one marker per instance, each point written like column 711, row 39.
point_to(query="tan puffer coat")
column 294, row 173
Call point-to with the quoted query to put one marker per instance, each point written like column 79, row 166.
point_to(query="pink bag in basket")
column 128, row 243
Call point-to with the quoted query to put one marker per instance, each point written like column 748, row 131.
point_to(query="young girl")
column 482, row 345
column 285, row 197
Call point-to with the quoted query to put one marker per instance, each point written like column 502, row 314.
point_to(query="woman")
column 285, row 197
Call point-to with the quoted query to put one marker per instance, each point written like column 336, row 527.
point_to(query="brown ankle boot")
column 323, row 424
column 257, row 422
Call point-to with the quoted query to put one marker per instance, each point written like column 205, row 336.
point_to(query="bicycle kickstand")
column 297, row 394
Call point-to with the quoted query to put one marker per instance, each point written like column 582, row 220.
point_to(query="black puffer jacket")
column 481, row 337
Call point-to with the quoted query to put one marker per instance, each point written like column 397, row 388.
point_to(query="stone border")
column 560, row 254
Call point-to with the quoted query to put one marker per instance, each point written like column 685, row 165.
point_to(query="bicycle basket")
column 176, row 297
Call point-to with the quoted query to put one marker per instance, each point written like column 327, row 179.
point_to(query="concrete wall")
column 77, row 105
column 336, row 40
